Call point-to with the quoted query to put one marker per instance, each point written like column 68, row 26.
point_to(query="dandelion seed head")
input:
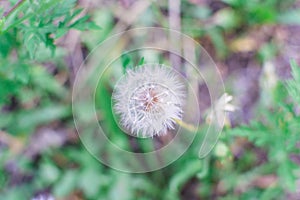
column 149, row 99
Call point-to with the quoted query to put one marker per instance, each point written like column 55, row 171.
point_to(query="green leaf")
column 46, row 82
column 26, row 120
column 293, row 85
column 181, row 177
column 21, row 73
column 2, row 22
column 290, row 17
column 142, row 61
column 227, row 18
column 83, row 24
column 49, row 173
column 260, row 14
column 66, row 184
column 31, row 43
column 126, row 62
column 8, row 88
column 60, row 32
column 90, row 182
column 285, row 171
column 44, row 21
column 218, row 41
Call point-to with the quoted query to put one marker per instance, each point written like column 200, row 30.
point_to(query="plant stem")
column 189, row 127
column 10, row 11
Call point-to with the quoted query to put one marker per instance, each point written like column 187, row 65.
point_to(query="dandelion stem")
column 185, row 125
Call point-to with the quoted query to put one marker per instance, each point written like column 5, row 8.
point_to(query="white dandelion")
column 149, row 100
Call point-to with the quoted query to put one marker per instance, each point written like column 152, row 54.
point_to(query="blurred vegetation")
column 42, row 44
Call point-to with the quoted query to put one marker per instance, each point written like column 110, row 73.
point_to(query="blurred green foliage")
column 276, row 130
column 32, row 97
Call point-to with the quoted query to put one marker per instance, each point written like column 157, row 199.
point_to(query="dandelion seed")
column 149, row 100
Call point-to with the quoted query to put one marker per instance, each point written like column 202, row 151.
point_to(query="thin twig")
column 175, row 39
column 10, row 11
